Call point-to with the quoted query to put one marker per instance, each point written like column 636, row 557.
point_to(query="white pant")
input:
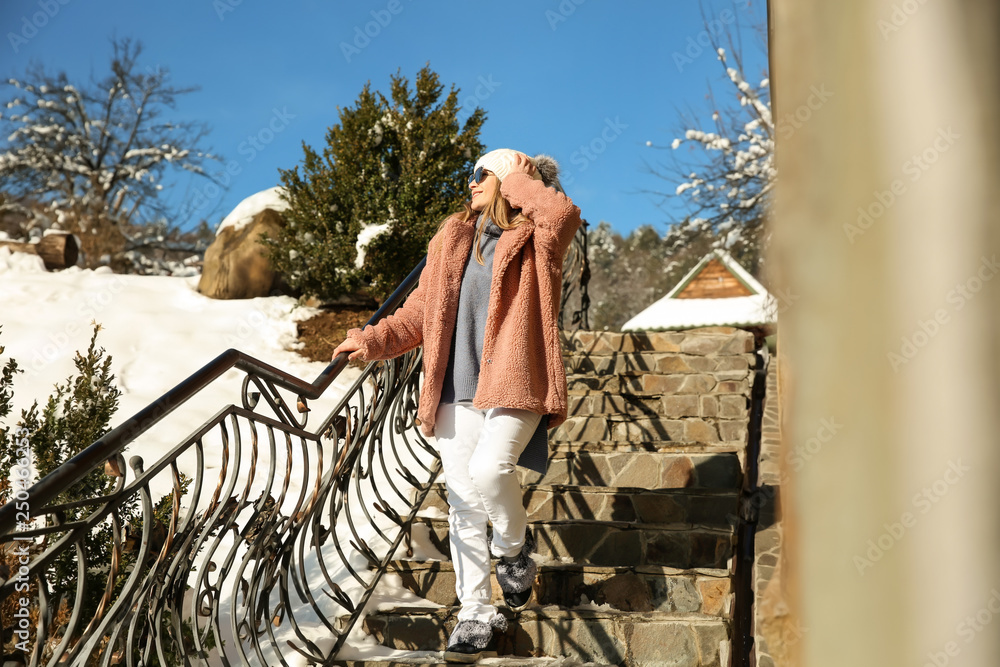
column 479, row 449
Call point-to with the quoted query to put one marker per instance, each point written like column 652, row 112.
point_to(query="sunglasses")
column 478, row 175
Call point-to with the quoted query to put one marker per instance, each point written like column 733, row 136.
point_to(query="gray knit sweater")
column 462, row 375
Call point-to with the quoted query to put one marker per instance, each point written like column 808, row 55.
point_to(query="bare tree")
column 725, row 180
column 91, row 159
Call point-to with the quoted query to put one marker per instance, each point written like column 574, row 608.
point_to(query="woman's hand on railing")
column 350, row 345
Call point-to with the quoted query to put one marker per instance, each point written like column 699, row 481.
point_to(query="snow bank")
column 158, row 331
column 20, row 262
column 245, row 211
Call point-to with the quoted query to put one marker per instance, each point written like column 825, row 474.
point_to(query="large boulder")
column 236, row 264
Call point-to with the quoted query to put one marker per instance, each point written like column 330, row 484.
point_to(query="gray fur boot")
column 472, row 640
column 516, row 576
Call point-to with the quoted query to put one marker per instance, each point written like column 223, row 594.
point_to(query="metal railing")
column 274, row 546
column 576, row 279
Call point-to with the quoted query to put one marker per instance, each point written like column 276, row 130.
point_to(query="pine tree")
column 76, row 414
column 629, row 273
column 361, row 213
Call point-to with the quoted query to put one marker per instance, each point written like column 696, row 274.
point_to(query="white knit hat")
column 500, row 161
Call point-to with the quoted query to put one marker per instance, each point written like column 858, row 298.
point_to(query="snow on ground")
column 158, row 331
column 20, row 262
column 251, row 206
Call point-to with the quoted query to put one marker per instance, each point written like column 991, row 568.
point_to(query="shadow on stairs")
column 635, row 518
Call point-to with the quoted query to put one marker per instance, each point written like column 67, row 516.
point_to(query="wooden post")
column 885, row 229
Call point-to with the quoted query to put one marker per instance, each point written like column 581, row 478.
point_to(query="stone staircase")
column 634, row 519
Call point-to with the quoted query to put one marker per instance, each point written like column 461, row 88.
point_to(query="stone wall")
column 687, row 393
column 776, row 631
column 690, row 386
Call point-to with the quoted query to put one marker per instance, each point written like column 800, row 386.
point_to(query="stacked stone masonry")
column 679, row 387
column 776, row 632
column 634, row 518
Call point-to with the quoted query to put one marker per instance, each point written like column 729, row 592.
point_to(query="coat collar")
column 510, row 244
column 459, row 235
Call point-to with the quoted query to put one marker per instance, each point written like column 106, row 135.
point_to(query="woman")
column 486, row 313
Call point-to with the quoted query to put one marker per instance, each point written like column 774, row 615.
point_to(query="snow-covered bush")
column 361, row 213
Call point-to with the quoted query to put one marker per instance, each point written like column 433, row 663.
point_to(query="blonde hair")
column 499, row 211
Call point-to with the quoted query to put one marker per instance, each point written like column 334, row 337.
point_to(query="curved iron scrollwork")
column 278, row 405
column 271, row 546
column 576, row 278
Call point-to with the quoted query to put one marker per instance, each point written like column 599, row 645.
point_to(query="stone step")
column 635, row 466
column 632, row 638
column 650, row 588
column 627, row 406
column 615, row 543
column 658, row 384
column 653, row 429
column 674, row 507
column 703, row 341
column 637, row 363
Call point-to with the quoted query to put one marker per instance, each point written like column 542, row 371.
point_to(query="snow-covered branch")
column 724, row 174
column 94, row 155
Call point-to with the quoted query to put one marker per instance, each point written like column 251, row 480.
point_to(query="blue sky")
column 587, row 81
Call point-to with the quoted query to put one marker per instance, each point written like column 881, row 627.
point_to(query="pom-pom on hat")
column 501, row 160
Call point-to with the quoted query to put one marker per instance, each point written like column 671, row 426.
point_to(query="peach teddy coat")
column 522, row 364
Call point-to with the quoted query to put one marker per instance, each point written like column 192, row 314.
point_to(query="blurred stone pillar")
column 886, row 230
